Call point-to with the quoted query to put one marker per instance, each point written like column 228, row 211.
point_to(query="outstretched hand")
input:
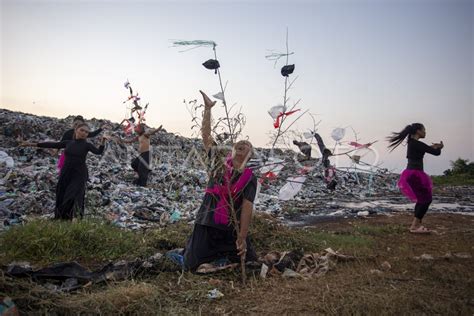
column 439, row 145
column 207, row 102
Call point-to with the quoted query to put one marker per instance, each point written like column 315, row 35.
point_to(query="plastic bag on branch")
column 338, row 133
column 276, row 110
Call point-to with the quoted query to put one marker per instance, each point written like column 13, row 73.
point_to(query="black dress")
column 70, row 190
column 211, row 241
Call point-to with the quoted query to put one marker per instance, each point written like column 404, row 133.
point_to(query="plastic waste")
column 214, row 294
column 291, row 188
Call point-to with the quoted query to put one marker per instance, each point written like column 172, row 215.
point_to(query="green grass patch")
column 92, row 242
column 170, row 237
column 458, row 179
column 268, row 235
column 87, row 241
column 380, row 230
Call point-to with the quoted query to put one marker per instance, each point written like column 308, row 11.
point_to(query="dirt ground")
column 442, row 285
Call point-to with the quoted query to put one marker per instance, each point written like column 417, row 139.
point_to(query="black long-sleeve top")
column 76, row 150
column 69, row 134
column 416, row 151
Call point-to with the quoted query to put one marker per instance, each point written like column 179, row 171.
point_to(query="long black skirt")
column 70, row 192
column 207, row 244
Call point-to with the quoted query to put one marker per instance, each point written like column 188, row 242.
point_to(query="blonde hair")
column 249, row 154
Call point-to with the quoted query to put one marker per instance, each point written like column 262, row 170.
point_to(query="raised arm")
column 320, row 142
column 95, row 133
column 206, row 122
column 152, row 132
column 95, row 150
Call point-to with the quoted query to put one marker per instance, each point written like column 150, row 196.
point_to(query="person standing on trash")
column 304, row 147
column 414, row 183
column 141, row 164
column 70, row 190
column 69, row 135
column 329, row 171
column 231, row 187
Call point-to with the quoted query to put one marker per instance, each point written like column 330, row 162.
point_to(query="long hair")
column 397, row 138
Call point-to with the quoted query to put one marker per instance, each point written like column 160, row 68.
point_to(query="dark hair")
column 81, row 125
column 397, row 138
column 78, row 118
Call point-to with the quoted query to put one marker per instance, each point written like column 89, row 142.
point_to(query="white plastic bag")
column 7, row 160
column 276, row 110
column 338, row 133
column 291, row 188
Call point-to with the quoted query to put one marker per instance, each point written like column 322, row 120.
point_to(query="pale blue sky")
column 374, row 65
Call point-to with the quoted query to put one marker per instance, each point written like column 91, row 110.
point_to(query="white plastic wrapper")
column 219, row 96
column 276, row 110
column 7, row 160
column 291, row 188
column 338, row 133
column 274, row 165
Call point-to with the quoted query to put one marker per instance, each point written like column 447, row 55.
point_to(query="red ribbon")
column 277, row 122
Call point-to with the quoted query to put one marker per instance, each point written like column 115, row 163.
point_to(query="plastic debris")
column 214, row 294
column 287, row 70
column 219, row 96
column 178, row 181
column 291, row 188
column 386, row 266
column 6, row 160
column 8, row 307
column 338, row 133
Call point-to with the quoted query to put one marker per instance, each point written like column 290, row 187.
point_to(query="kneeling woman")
column 70, row 190
column 227, row 204
column 414, row 183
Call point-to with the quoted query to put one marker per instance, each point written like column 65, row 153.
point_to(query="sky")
column 375, row 66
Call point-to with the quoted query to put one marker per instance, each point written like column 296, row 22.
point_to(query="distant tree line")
column 460, row 167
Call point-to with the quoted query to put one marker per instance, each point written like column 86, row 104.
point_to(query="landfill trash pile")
column 28, row 178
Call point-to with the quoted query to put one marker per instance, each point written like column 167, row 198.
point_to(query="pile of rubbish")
column 289, row 184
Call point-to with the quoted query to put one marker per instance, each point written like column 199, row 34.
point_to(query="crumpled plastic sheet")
column 69, row 276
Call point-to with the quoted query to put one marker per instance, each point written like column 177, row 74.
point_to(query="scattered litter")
column 263, row 271
column 386, row 266
column 462, row 255
column 290, row 274
column 424, row 256
column 8, row 307
column 6, row 160
column 376, row 272
column 214, row 294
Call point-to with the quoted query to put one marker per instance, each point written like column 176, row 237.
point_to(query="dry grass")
column 441, row 286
